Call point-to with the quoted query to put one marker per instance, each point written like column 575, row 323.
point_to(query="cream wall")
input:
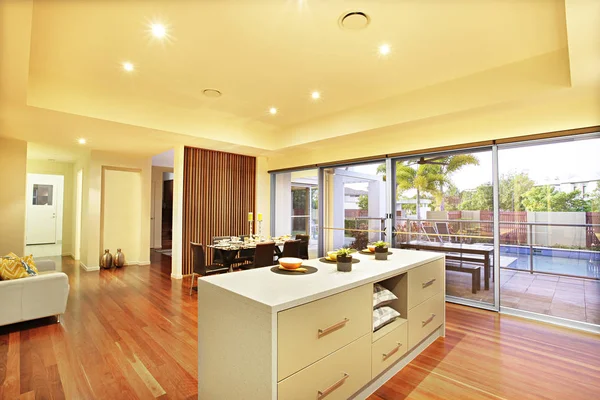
column 568, row 109
column 83, row 164
column 263, row 194
column 13, row 177
column 91, row 252
column 66, row 170
column 121, row 214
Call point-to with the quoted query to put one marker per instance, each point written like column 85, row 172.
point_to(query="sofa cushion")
column 14, row 267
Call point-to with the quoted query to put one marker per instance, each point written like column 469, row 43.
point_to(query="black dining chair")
column 217, row 255
column 263, row 256
column 304, row 239
column 199, row 264
column 245, row 256
column 291, row 248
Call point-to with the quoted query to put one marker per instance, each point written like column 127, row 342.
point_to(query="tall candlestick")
column 250, row 217
column 259, row 217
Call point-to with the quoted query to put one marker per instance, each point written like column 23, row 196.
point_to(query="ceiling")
column 61, row 70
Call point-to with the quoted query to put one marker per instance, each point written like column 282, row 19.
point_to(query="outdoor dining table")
column 455, row 251
column 230, row 251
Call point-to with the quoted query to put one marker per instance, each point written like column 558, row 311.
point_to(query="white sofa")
column 34, row 297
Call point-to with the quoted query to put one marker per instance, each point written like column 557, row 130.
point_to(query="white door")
column 44, row 193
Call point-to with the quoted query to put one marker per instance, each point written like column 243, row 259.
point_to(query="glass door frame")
column 495, row 306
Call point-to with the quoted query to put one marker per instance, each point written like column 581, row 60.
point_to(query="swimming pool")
column 583, row 264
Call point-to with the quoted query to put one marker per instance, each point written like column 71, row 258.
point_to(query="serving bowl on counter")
column 290, row 262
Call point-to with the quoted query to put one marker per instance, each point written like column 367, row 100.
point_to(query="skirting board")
column 86, row 268
column 394, row 369
column 68, row 255
column 176, row 276
column 137, row 263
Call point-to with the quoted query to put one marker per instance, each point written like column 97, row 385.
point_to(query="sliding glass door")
column 445, row 203
column 355, row 200
column 550, row 228
column 295, row 202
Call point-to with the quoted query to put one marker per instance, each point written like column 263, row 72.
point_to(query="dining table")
column 229, row 250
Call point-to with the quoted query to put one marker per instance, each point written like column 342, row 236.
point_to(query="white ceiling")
column 62, row 79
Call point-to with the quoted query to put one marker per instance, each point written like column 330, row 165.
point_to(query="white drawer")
column 337, row 376
column 424, row 282
column 389, row 349
column 311, row 331
column 424, row 319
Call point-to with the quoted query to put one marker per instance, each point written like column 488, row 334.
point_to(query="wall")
column 13, row 174
column 121, row 215
column 219, row 189
column 91, row 251
column 263, row 194
column 554, row 112
column 549, row 236
column 68, row 213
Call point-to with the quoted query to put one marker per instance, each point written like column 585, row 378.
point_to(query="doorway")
column 167, row 211
column 44, row 214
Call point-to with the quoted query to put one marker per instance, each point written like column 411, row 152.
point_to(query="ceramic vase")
column 106, row 260
column 119, row 260
column 381, row 253
column 344, row 264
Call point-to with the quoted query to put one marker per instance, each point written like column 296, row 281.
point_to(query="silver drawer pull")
column 428, row 320
column 428, row 283
column 392, row 352
column 323, row 393
column 323, row 332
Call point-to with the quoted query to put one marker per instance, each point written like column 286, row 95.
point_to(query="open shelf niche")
column 399, row 286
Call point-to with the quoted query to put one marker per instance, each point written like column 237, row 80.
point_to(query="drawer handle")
column 429, row 283
column 323, row 393
column 428, row 320
column 323, row 332
column 392, row 352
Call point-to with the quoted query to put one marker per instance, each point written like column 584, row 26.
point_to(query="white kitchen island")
column 263, row 335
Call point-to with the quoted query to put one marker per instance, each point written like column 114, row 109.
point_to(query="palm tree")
column 432, row 179
column 447, row 167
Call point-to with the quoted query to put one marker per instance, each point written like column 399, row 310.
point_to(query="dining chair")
column 217, row 255
column 263, row 255
column 291, row 248
column 304, row 240
column 245, row 256
column 199, row 264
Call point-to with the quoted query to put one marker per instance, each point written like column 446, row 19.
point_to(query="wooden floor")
column 131, row 333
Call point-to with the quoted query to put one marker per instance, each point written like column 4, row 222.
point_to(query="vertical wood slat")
column 219, row 190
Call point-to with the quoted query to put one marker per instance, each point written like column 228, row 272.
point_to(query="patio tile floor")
column 564, row 297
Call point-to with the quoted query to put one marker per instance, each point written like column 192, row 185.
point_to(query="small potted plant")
column 344, row 259
column 381, row 250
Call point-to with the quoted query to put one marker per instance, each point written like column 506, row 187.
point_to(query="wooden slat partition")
column 219, row 190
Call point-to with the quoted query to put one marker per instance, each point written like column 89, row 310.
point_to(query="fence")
column 592, row 218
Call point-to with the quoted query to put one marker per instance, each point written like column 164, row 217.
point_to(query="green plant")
column 381, row 244
column 345, row 252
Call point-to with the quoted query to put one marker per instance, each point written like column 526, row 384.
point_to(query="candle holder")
column 250, row 223
column 260, row 231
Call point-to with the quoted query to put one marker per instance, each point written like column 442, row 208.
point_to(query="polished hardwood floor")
column 131, row 333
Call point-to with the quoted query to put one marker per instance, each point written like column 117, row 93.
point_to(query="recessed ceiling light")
column 159, row 30
column 273, row 110
column 315, row 95
column 127, row 66
column 81, row 141
column 214, row 93
column 384, row 49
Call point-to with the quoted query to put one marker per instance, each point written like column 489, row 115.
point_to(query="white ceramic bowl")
column 290, row 262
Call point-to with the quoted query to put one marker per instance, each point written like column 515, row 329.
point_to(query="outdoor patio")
column 572, row 298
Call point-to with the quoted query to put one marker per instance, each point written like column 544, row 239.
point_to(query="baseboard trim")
column 68, row 255
column 176, row 276
column 137, row 263
column 86, row 268
column 378, row 382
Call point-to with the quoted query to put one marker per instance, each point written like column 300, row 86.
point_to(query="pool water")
column 558, row 265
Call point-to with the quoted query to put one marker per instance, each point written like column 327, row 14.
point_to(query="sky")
column 577, row 160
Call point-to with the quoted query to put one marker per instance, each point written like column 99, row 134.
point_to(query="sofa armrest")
column 44, row 295
column 45, row 265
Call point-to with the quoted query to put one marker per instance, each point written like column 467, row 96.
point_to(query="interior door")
column 41, row 211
